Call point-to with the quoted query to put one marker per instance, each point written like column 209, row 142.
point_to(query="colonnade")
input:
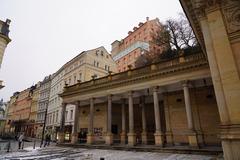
column 159, row 136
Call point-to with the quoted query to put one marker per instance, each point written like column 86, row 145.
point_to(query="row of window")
column 96, row 64
column 99, row 52
column 75, row 79
column 53, row 117
column 75, row 65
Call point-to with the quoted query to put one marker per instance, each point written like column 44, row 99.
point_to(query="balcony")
column 138, row 44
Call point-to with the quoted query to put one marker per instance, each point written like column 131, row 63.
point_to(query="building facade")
column 21, row 112
column 32, row 124
column 4, row 40
column 138, row 41
column 44, row 93
column 86, row 66
column 217, row 27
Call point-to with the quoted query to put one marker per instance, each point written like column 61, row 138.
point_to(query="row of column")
column 159, row 135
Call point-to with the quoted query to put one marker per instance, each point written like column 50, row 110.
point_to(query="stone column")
column 75, row 125
column 169, row 135
column 123, row 133
column 218, row 29
column 90, row 135
column 192, row 136
column 109, row 135
column 158, row 133
column 131, row 134
column 144, row 128
column 61, row 133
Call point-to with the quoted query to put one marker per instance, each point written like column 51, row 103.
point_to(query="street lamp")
column 44, row 125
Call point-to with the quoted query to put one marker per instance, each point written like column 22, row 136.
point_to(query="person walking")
column 20, row 140
column 47, row 140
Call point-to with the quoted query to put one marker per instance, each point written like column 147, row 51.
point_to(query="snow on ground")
column 64, row 153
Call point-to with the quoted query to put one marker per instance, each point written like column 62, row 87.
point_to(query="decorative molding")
column 231, row 12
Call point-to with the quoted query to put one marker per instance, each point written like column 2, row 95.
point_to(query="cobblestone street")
column 60, row 153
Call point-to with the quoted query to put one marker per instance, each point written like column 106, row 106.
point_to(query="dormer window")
column 96, row 52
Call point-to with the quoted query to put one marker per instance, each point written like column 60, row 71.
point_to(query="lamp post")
column 44, row 125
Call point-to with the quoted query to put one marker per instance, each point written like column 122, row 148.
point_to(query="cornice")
column 138, row 76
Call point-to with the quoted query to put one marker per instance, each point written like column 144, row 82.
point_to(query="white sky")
column 47, row 33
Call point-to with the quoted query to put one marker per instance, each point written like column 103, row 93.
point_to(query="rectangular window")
column 71, row 115
column 80, row 76
column 66, row 113
column 75, row 79
column 57, row 116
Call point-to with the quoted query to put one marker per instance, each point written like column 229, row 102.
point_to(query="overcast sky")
column 47, row 33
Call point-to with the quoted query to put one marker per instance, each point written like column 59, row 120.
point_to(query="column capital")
column 123, row 100
column 155, row 88
column 185, row 83
column 77, row 103
column 110, row 96
column 130, row 93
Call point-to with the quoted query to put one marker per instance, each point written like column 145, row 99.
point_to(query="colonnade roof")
column 164, row 73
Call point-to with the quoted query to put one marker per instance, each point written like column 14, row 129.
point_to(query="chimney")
column 147, row 18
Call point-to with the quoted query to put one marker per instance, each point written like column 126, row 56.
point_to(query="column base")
column 159, row 139
column 109, row 139
column 193, row 140
column 61, row 137
column 123, row 137
column 131, row 139
column 90, row 138
column 144, row 137
column 200, row 138
column 169, row 137
column 230, row 136
column 74, row 137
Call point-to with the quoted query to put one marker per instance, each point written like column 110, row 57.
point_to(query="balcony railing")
column 162, row 66
column 138, row 44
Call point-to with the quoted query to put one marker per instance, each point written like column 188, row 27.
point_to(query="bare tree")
column 186, row 33
column 172, row 36
column 177, row 34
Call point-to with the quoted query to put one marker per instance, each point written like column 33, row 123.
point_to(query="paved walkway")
column 68, row 153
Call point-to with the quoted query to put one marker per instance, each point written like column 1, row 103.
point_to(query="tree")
column 173, row 36
column 186, row 33
column 177, row 34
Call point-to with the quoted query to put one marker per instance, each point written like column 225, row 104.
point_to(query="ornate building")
column 4, row 40
column 217, row 26
column 87, row 65
column 167, row 103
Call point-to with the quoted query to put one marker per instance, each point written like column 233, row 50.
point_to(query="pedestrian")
column 48, row 140
column 20, row 140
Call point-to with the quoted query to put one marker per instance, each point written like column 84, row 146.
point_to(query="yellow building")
column 33, row 126
column 217, row 26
